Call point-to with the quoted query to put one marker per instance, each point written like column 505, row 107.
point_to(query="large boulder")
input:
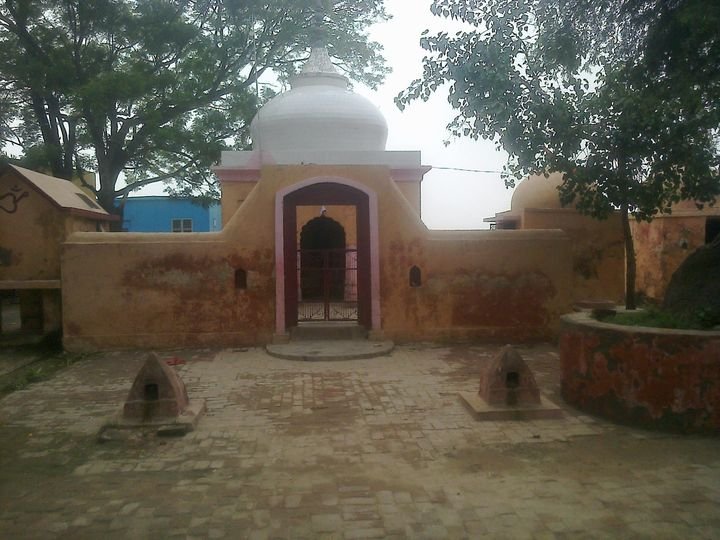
column 694, row 289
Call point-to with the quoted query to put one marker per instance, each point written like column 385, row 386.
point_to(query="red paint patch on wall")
column 660, row 380
column 501, row 300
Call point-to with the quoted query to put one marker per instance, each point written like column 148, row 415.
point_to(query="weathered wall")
column 32, row 230
column 136, row 290
column 30, row 237
column 493, row 285
column 233, row 195
column 482, row 284
column 662, row 379
column 661, row 246
column 412, row 192
column 598, row 252
column 164, row 290
column 139, row 290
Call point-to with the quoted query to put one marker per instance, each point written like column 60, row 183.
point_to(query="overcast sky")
column 451, row 199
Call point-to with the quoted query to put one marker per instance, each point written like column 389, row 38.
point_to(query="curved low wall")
column 651, row 377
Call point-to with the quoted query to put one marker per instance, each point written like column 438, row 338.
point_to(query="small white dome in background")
column 319, row 113
column 536, row 191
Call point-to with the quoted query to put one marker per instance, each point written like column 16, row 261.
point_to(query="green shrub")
column 658, row 318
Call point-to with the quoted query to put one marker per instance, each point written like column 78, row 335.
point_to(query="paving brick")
column 371, row 448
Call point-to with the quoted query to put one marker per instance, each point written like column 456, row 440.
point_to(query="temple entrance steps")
column 328, row 330
column 326, row 341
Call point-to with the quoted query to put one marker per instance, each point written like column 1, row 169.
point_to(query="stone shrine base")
column 120, row 428
column 480, row 409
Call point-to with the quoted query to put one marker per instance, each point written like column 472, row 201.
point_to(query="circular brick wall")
column 651, row 377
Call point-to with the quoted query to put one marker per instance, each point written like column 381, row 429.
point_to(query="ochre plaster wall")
column 484, row 284
column 233, row 195
column 411, row 191
column 31, row 236
column 661, row 246
column 165, row 290
column 136, row 290
column 598, row 251
column 123, row 290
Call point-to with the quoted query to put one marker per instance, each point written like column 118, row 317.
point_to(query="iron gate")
column 327, row 285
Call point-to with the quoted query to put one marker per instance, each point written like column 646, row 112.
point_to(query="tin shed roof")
column 64, row 194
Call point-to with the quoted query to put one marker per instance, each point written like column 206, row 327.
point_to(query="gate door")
column 327, row 285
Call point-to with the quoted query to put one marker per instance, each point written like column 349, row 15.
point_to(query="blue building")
column 169, row 214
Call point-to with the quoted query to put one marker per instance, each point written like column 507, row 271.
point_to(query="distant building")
column 37, row 214
column 598, row 251
column 169, row 214
column 665, row 242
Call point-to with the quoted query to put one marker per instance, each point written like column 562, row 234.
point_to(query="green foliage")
column 156, row 89
column 657, row 318
column 621, row 96
column 50, row 359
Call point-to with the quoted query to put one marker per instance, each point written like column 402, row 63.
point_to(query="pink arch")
column 280, row 255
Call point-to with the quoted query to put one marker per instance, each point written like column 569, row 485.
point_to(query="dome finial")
column 318, row 32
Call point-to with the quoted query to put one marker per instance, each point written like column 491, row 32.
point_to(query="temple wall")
column 138, row 290
column 411, row 191
column 150, row 292
column 661, row 246
column 233, row 195
column 476, row 285
column 135, row 290
column 598, row 251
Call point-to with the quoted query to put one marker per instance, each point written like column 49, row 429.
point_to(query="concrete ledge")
column 331, row 350
column 120, row 428
column 657, row 378
column 482, row 411
column 29, row 284
column 161, row 341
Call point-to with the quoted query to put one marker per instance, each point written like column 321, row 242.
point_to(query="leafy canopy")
column 619, row 95
column 156, row 89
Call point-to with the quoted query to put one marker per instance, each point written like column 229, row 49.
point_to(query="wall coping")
column 29, row 284
column 102, row 238
column 585, row 318
column 496, row 235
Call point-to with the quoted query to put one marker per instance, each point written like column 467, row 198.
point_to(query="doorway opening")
column 327, row 267
column 326, row 243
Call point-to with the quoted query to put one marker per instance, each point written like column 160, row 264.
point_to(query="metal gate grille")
column 327, row 285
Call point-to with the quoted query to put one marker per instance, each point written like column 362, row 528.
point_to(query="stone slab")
column 118, row 426
column 482, row 411
column 310, row 351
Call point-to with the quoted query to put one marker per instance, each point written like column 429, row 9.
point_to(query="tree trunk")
column 108, row 177
column 630, row 267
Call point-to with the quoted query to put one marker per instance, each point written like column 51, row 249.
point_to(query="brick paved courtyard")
column 377, row 448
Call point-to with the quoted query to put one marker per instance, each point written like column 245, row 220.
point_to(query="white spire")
column 319, row 69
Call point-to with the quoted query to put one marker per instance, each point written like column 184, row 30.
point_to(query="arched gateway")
column 298, row 292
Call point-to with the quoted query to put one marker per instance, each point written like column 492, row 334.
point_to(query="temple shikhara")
column 320, row 224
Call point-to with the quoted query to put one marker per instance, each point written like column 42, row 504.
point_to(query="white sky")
column 451, row 199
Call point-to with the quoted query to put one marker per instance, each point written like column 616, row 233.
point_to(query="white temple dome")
column 319, row 113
